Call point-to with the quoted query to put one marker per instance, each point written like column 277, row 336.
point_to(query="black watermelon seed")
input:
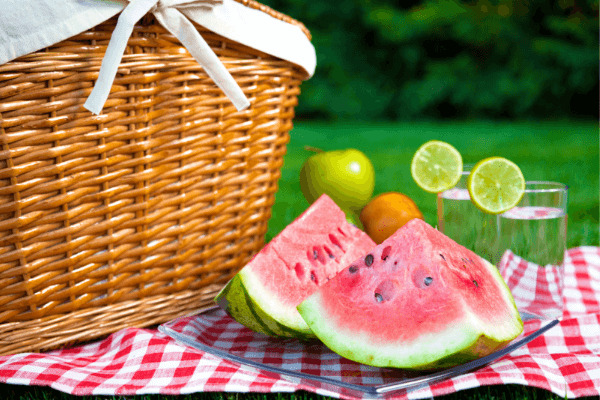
column 428, row 280
column 353, row 269
column 312, row 276
column 378, row 297
column 441, row 255
column 331, row 255
column 369, row 260
column 475, row 282
column 315, row 254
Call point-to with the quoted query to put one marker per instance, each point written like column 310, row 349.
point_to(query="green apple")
column 347, row 176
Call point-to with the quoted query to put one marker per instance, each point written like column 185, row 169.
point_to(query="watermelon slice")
column 418, row 300
column 263, row 296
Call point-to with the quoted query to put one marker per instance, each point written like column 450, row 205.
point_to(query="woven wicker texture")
column 140, row 214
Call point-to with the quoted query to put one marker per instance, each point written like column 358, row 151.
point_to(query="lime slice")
column 436, row 166
column 496, row 185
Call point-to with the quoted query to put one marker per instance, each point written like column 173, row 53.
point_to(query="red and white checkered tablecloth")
column 565, row 360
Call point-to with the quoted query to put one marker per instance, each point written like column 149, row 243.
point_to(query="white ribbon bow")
column 167, row 13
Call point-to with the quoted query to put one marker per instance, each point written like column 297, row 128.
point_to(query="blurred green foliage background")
column 420, row 59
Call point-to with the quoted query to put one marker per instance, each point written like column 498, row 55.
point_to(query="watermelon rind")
column 291, row 324
column 235, row 299
column 240, row 305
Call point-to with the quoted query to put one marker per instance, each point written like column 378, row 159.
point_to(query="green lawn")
column 566, row 152
column 559, row 151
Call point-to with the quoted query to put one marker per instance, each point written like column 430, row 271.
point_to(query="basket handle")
column 174, row 21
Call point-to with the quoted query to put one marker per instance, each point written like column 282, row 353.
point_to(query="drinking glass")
column 533, row 241
column 459, row 219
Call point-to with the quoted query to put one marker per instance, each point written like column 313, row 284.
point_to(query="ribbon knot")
column 168, row 13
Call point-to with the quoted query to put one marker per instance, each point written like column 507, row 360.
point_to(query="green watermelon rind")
column 292, row 324
column 242, row 306
column 453, row 346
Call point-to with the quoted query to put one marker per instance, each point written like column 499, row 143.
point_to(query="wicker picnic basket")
column 141, row 214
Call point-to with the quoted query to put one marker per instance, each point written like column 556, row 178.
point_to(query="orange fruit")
column 387, row 213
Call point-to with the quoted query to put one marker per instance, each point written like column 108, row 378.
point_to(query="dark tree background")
column 415, row 59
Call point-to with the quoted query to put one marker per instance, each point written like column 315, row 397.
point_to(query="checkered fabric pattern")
column 565, row 360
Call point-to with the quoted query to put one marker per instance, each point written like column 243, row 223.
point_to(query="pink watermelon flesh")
column 307, row 253
column 418, row 300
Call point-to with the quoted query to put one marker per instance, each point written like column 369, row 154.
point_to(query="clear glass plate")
column 310, row 363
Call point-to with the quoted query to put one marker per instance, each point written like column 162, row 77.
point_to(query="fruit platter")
column 293, row 314
column 418, row 288
column 378, row 310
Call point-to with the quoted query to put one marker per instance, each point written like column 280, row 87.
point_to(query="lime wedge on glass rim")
column 436, row 166
column 496, row 185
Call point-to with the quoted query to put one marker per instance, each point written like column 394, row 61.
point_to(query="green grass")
column 558, row 151
column 566, row 152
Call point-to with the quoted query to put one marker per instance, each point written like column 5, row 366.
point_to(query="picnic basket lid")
column 30, row 25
